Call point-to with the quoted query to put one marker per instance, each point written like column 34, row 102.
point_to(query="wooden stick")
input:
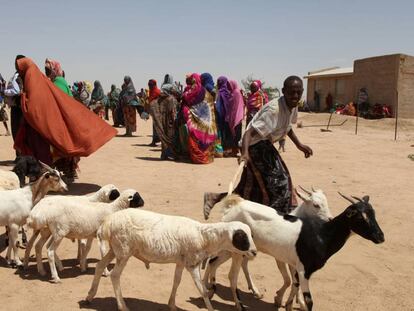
column 236, row 176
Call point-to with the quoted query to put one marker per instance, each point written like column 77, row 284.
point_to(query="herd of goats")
column 300, row 242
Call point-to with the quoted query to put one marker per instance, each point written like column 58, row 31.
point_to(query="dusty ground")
column 362, row 276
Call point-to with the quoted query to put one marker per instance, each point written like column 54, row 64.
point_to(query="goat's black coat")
column 27, row 166
column 319, row 240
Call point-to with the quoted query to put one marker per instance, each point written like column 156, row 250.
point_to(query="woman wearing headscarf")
column 129, row 101
column 55, row 73
column 233, row 120
column 54, row 119
column 163, row 111
column 207, row 82
column 200, row 121
column 154, row 93
column 255, row 101
column 113, row 96
column 97, row 99
column 223, row 108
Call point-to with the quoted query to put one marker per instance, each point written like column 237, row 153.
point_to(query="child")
column 3, row 116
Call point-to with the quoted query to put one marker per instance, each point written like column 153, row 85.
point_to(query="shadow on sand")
column 71, row 270
column 109, row 304
column 249, row 301
column 7, row 163
column 149, row 159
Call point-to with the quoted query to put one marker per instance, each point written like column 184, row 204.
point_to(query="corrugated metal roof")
column 331, row 72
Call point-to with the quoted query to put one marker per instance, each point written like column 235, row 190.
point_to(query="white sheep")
column 153, row 237
column 79, row 220
column 15, row 205
column 106, row 194
column 315, row 204
column 9, row 180
column 303, row 243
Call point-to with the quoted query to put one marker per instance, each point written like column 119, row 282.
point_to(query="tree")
column 272, row 92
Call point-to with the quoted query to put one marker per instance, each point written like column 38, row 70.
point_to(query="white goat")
column 158, row 238
column 79, row 220
column 303, row 243
column 315, row 204
column 15, row 205
column 106, row 194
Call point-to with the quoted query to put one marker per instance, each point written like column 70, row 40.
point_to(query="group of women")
column 203, row 121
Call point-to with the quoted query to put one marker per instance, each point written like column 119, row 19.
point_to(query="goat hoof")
column 240, row 307
column 289, row 306
column 56, row 281
column 257, row 295
column 106, row 273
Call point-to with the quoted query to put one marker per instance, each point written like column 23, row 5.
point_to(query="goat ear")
column 365, row 198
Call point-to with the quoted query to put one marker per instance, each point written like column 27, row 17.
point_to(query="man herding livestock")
column 265, row 178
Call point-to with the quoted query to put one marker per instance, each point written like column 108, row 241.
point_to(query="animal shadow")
column 81, row 189
column 109, row 304
column 7, row 163
column 248, row 300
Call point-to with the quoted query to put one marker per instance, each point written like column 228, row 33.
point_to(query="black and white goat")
column 304, row 243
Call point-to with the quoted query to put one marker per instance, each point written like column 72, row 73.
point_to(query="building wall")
column 380, row 76
column 340, row 87
column 406, row 87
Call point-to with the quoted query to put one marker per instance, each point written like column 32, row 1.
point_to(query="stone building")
column 389, row 79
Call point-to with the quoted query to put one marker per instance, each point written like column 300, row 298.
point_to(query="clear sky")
column 270, row 39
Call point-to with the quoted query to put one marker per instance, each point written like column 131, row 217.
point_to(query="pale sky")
column 270, row 39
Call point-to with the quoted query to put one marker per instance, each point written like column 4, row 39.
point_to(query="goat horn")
column 313, row 189
column 307, row 191
column 346, row 198
column 47, row 167
column 356, row 198
column 300, row 195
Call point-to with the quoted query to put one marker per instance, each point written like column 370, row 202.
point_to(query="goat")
column 106, row 194
column 153, row 237
column 303, row 243
column 79, row 220
column 15, row 205
column 16, row 178
column 314, row 204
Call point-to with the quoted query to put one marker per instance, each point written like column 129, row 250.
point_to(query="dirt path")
column 362, row 276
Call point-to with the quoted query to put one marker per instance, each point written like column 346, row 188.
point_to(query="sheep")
column 303, row 243
column 314, row 204
column 106, row 194
column 78, row 220
column 15, row 205
column 15, row 179
column 153, row 237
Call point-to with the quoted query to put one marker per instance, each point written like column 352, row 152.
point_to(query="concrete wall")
column 406, row 87
column 325, row 85
column 380, row 76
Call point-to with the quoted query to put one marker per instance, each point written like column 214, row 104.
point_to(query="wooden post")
column 356, row 121
column 396, row 119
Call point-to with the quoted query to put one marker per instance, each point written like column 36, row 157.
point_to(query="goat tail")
column 104, row 231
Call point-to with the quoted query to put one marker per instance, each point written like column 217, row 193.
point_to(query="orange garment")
column 65, row 123
column 197, row 155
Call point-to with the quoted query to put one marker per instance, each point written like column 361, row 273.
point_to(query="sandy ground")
column 362, row 276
